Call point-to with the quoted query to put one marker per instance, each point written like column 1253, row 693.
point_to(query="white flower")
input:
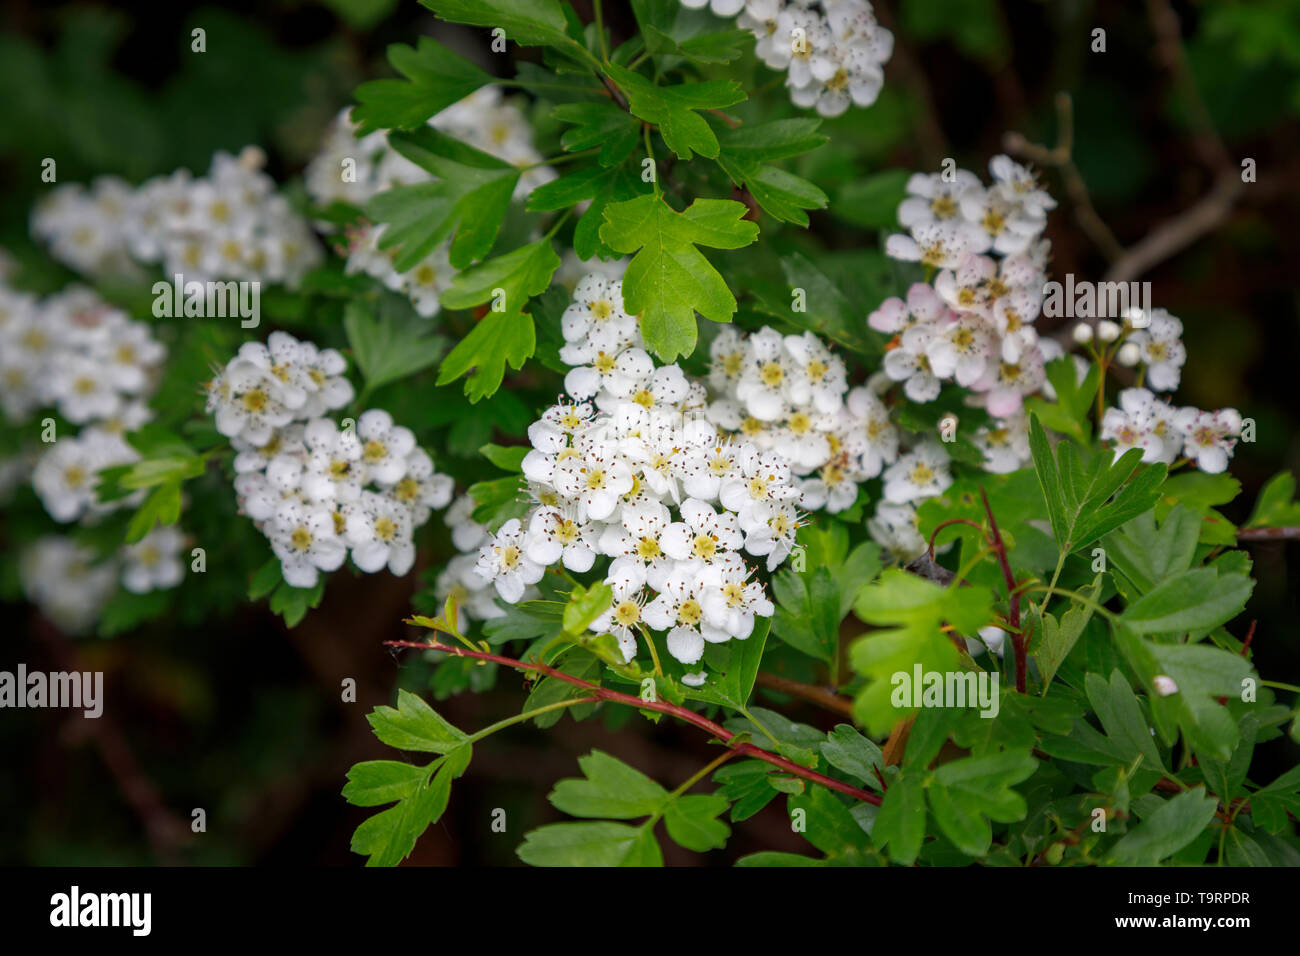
column 677, row 610
column 703, row 534
column 504, row 561
column 934, row 197
column 334, row 470
column 1160, row 345
column 385, row 446
column 303, row 537
column 379, row 534
column 772, row 532
column 992, row 638
column 922, row 473
column 1209, row 436
column 730, row 601
column 153, row 563
column 596, row 481
column 626, row 579
column 910, row 363
column 894, row 528
column 556, row 536
column 62, row 578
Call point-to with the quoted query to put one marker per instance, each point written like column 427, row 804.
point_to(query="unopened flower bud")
column 1107, row 331
column 1128, row 354
column 1083, row 333
column 1164, row 685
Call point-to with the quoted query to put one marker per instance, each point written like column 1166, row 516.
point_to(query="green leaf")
column 590, row 844
column 847, row 750
column 414, row 725
column 669, row 279
column 388, row 347
column 1084, row 504
column 731, row 682
column 782, row 195
column 808, row 611
column 292, row 603
column 1147, row 555
column 467, row 200
column 602, row 124
column 611, row 790
column 388, row 837
column 1056, row 640
column 693, row 823
column 599, row 187
column 871, row 202
column 1198, row 599
column 530, row 22
column 498, row 500
column 673, row 109
column 900, row 825
column 506, row 458
column 163, row 506
column 585, row 605
column 918, row 609
column 1276, row 505
column 436, row 77
column 966, row 794
column 374, row 783
column 1176, row 823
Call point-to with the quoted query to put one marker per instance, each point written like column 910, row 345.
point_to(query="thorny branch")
column 663, row 707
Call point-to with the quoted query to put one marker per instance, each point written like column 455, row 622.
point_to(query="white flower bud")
column 1107, row 331
column 1164, row 685
column 1129, row 354
column 1083, row 333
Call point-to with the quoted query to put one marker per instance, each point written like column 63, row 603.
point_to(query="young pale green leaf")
column 585, row 605
column 1276, row 505
column 414, row 725
column 436, row 77
column 669, row 279
column 1164, row 832
column 673, row 109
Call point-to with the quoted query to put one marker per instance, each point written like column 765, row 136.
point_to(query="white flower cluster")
column 229, row 224
column 80, row 356
column 76, row 354
column 1163, row 432
column 352, row 171
column 70, row 584
column 833, row 51
column 315, row 489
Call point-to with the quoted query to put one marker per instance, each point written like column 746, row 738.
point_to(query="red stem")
column 1018, row 641
column 663, row 707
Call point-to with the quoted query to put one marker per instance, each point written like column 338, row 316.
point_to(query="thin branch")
column 1288, row 533
column 821, row 696
column 659, row 706
column 1061, row 158
column 1019, row 640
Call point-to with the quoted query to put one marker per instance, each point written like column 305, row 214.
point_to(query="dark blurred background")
column 242, row 718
